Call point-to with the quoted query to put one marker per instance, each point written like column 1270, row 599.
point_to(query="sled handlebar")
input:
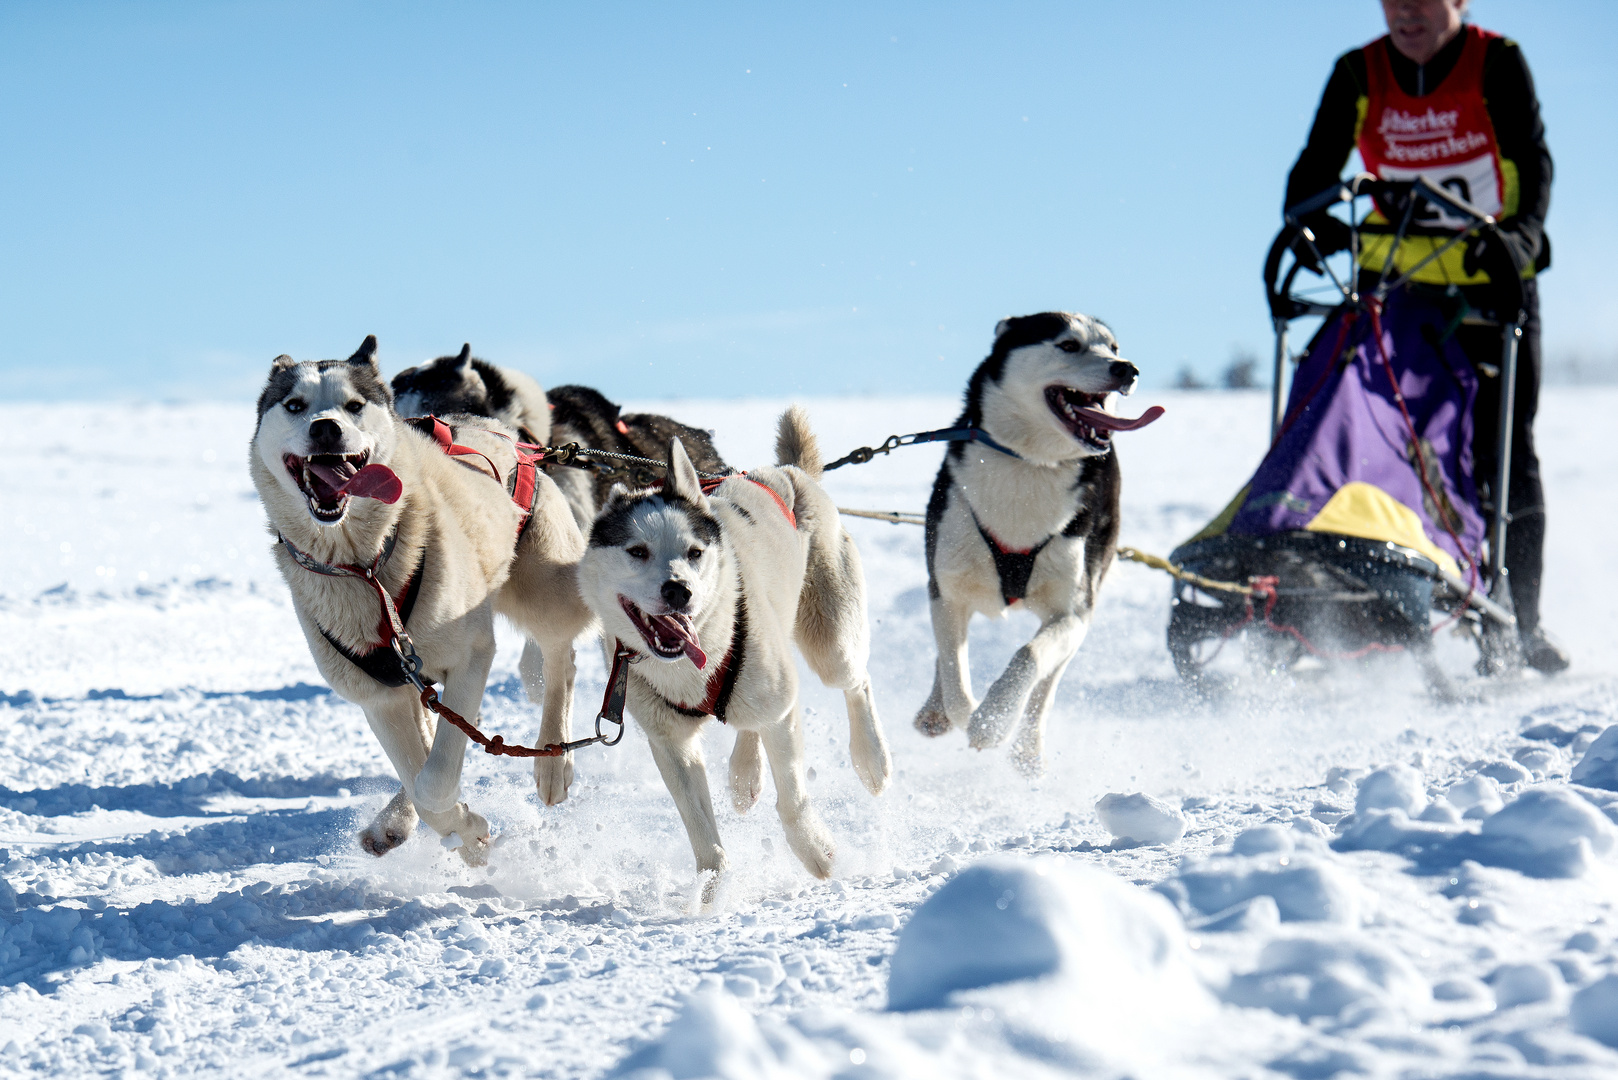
column 1399, row 200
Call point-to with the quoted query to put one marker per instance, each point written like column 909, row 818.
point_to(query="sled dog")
column 709, row 590
column 1036, row 527
column 346, row 482
column 585, row 416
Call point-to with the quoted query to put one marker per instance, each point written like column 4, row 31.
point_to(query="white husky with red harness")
column 703, row 586
column 452, row 526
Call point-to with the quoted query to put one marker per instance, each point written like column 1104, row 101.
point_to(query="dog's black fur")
column 583, row 415
column 461, row 384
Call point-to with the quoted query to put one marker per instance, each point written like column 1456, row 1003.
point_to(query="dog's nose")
column 676, row 595
column 326, row 435
column 1123, row 369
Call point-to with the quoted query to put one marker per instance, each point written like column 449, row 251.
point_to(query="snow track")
column 181, row 891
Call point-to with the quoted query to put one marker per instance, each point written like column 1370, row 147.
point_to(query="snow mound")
column 1393, row 787
column 1308, row 977
column 1477, row 796
column 1525, row 984
column 714, row 1038
column 1391, row 830
column 1595, row 1009
column 1140, row 818
column 1304, row 888
column 1117, row 948
column 1598, row 768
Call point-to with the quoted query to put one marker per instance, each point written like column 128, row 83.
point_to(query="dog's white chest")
column 1020, row 503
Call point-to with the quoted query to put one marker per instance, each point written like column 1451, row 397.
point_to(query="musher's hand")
column 1331, row 236
column 1501, row 254
column 1496, row 252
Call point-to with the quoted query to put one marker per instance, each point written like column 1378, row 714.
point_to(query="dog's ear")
column 366, row 353
column 465, row 355
column 281, row 363
column 1001, row 327
column 682, row 482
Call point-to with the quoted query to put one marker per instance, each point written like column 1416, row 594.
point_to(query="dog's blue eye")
column 639, row 551
column 294, row 406
column 355, row 406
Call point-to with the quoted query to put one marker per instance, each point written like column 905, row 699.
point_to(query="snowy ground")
column 179, row 795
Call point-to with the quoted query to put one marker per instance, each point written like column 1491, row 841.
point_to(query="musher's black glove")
column 1331, row 236
column 1500, row 253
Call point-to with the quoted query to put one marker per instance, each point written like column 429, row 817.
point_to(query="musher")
column 1438, row 97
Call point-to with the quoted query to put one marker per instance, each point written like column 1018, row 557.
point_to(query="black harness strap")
column 381, row 663
column 1014, row 568
column 719, row 698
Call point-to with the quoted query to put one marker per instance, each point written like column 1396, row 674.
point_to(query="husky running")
column 1036, row 527
column 346, row 482
column 709, row 590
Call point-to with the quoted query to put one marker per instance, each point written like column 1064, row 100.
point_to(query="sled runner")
column 1368, row 526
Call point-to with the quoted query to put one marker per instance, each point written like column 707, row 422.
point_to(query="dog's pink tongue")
column 1098, row 419
column 694, row 653
column 374, row 482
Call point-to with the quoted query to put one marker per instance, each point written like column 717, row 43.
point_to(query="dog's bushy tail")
column 796, row 445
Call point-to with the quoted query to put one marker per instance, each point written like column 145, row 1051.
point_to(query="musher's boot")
column 1542, row 654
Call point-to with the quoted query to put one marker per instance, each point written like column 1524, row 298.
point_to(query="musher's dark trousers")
column 1525, row 537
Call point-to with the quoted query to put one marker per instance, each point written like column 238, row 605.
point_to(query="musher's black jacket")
column 1508, row 91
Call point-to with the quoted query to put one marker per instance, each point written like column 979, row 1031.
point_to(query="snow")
column 1598, row 768
column 1140, row 818
column 179, row 795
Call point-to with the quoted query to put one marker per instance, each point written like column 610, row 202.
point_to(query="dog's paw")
column 475, row 842
column 872, row 762
column 932, row 722
column 746, row 771
column 1028, row 761
column 745, row 790
column 379, row 840
column 553, row 776
column 814, row 847
column 986, row 730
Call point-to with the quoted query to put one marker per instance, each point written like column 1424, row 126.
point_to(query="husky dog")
column 1035, row 527
column 710, row 590
column 346, row 482
column 585, row 416
column 464, row 384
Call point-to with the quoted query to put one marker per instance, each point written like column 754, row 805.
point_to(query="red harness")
column 520, row 485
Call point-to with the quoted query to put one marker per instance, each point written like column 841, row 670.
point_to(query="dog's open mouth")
column 1078, row 412
column 329, row 480
column 1086, row 418
column 669, row 637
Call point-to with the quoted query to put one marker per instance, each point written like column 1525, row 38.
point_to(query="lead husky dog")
column 710, row 590
column 1036, row 528
column 445, row 544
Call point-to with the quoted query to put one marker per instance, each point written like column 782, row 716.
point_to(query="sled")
column 1364, row 529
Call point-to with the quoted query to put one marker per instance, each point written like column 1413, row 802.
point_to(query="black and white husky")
column 1034, row 528
column 346, row 482
column 710, row 590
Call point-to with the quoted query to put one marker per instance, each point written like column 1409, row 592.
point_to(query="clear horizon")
column 676, row 203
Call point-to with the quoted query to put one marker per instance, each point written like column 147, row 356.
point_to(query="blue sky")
column 688, row 200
